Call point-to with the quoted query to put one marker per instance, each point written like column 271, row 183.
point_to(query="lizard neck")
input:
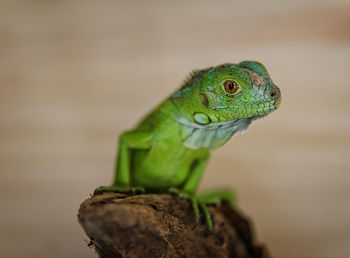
column 212, row 136
column 196, row 135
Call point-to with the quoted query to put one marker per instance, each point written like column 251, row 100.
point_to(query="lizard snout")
column 275, row 94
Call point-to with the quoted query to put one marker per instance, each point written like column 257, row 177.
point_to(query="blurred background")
column 75, row 74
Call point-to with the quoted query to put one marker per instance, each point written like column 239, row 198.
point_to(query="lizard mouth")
column 262, row 112
column 267, row 108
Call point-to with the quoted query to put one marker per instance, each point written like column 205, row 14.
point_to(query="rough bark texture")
column 162, row 225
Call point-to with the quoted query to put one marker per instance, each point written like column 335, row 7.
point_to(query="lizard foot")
column 196, row 203
column 214, row 197
column 120, row 189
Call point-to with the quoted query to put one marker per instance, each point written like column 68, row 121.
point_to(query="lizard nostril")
column 273, row 94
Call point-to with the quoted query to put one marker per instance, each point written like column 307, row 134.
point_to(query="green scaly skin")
column 169, row 150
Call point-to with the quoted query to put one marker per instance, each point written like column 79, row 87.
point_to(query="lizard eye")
column 231, row 86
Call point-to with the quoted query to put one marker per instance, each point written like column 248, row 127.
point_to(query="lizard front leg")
column 213, row 197
column 136, row 139
column 188, row 190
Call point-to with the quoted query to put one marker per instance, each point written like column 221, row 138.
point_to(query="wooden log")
column 163, row 225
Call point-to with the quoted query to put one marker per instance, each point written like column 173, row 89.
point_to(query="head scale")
column 229, row 92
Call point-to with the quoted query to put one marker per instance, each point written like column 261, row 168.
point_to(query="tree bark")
column 163, row 225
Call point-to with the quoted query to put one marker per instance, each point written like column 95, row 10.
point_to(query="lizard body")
column 169, row 149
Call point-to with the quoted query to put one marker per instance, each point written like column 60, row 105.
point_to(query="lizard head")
column 230, row 92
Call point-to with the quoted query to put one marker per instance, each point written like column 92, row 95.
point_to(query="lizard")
column 169, row 149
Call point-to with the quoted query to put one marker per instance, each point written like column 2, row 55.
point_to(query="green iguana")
column 169, row 150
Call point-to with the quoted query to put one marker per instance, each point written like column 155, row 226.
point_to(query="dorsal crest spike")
column 193, row 77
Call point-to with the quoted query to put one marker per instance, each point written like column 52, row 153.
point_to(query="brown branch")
column 162, row 225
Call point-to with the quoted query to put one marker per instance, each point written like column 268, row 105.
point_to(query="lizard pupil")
column 231, row 86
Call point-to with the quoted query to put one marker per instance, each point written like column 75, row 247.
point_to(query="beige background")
column 75, row 74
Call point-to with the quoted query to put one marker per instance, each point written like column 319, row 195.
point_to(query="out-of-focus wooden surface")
column 75, row 74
